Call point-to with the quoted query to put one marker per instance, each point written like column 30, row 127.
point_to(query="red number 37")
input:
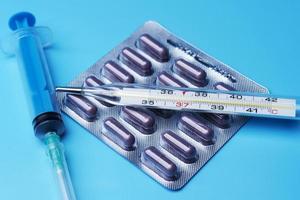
column 181, row 104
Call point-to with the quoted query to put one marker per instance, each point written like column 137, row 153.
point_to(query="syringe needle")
column 55, row 151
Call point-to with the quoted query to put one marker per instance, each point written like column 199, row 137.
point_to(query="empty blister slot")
column 196, row 129
column 139, row 119
column 190, row 72
column 81, row 106
column 155, row 160
column 220, row 120
column 92, row 81
column 136, row 62
column 115, row 73
column 117, row 133
column 179, row 147
column 153, row 48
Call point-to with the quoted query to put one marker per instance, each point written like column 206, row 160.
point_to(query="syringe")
column 193, row 99
column 27, row 43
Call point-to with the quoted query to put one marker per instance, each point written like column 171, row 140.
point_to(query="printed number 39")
column 217, row 107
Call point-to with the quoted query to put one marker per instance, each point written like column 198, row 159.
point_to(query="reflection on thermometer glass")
column 193, row 99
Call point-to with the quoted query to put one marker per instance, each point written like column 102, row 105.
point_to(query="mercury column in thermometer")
column 193, row 99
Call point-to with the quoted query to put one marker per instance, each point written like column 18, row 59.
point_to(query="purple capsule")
column 191, row 72
column 162, row 113
column 154, row 48
column 220, row 120
column 139, row 119
column 119, row 134
column 115, row 73
column 168, row 80
column 196, row 129
column 159, row 163
column 81, row 106
column 224, row 87
column 136, row 62
column 179, row 147
column 92, row 81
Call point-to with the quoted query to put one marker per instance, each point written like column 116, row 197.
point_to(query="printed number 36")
column 149, row 102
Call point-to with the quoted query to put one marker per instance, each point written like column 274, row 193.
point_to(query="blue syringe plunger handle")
column 21, row 20
column 36, row 76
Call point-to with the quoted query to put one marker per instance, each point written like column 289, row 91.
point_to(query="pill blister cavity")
column 159, row 163
column 115, row 73
column 164, row 78
column 196, row 129
column 120, row 135
column 179, row 147
column 136, row 61
column 223, row 86
column 139, row 118
column 93, row 81
column 192, row 73
column 81, row 106
column 162, row 113
column 220, row 120
column 153, row 48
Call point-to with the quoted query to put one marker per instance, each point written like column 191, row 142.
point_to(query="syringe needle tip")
column 55, row 152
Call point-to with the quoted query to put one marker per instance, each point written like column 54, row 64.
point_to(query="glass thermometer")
column 193, row 99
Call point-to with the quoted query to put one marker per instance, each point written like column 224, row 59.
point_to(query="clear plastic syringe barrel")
column 26, row 43
column 195, row 99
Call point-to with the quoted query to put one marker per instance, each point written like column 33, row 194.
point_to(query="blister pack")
column 169, row 146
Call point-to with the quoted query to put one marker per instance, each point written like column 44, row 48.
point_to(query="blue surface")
column 258, row 38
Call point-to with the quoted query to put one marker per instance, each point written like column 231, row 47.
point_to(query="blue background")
column 258, row 38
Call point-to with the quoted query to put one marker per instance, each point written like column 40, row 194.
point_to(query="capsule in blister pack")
column 167, row 145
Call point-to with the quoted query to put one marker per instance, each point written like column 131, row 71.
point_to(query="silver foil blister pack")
column 169, row 146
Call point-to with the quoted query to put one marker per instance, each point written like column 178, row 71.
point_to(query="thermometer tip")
column 73, row 90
